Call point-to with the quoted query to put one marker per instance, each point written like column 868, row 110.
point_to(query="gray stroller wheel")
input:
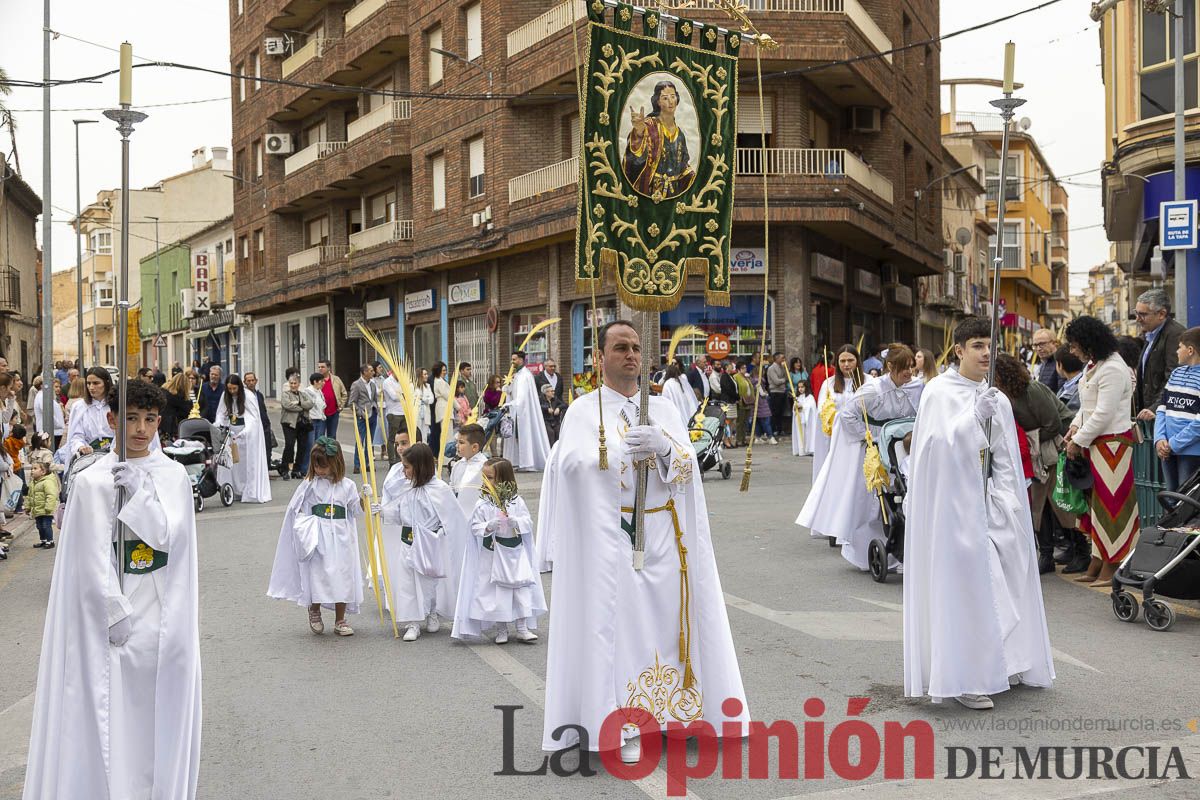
column 1125, row 606
column 199, row 502
column 1159, row 615
column 227, row 494
column 877, row 561
column 726, row 470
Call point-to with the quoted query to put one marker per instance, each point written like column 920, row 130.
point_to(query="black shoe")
column 1079, row 564
column 298, row 476
column 283, row 473
column 39, row 544
column 1064, row 554
column 48, row 546
column 1045, row 563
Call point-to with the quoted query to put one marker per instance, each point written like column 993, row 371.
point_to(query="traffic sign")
column 160, row 341
column 717, row 346
column 1177, row 225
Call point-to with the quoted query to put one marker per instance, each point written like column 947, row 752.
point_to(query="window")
column 931, row 81
column 317, row 232
column 104, row 295
column 239, row 167
column 353, row 221
column 229, row 246
column 474, row 31
column 382, row 207
column 475, row 160
column 1012, row 179
column 258, row 159
column 240, row 6
column 1157, row 60
column 257, row 65
column 437, row 166
column 244, row 248
column 318, row 132
column 473, row 344
column 434, row 68
column 373, row 101
column 101, row 243
column 241, row 71
column 260, row 246
column 1012, row 245
column 572, row 144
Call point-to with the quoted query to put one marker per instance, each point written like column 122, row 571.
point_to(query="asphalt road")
column 291, row 715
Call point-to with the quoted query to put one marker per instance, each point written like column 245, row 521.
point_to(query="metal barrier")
column 1147, row 476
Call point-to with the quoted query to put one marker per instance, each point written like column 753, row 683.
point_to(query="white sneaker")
column 774, row 440
column 432, row 623
column 525, row 635
column 631, row 750
column 412, row 632
column 502, row 635
column 978, row 702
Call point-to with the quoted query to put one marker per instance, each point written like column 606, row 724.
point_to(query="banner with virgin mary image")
column 657, row 161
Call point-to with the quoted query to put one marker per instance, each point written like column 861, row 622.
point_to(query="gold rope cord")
column 766, row 269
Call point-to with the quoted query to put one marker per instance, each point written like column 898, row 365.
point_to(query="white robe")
column 822, row 444
column 317, row 558
column 251, row 474
column 531, row 444
column 973, row 613
column 108, row 721
column 616, row 630
column 681, row 394
column 466, row 481
column 838, row 504
column 805, row 425
column 89, row 423
column 432, row 511
column 482, row 602
column 35, row 409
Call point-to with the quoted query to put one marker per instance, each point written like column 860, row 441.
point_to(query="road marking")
column 529, row 684
column 856, row 626
column 15, row 724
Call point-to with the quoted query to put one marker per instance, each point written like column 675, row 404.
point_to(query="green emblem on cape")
column 140, row 558
column 329, row 511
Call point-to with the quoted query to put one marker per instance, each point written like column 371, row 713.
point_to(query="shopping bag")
column 12, row 491
column 1065, row 496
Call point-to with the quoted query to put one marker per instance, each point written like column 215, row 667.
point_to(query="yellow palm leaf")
column 535, row 330
column 447, row 423
column 405, row 375
column 681, row 333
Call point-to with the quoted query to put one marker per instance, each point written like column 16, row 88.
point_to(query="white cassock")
column 681, row 395
column 251, row 475
column 109, row 721
column 395, row 483
column 838, row 505
column 500, row 583
column 882, row 400
column 822, row 443
column 466, row 481
column 616, row 639
column 530, row 445
column 973, row 613
column 89, row 426
column 317, row 558
column 60, row 426
column 425, row 538
column 805, row 425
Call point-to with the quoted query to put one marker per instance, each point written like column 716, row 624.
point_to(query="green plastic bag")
column 1065, row 496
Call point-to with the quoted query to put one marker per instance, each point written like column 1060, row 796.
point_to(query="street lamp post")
column 79, row 246
column 158, row 340
column 470, row 63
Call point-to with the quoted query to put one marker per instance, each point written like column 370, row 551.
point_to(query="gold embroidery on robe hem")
column 658, row 691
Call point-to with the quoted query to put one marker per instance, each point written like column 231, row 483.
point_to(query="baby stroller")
column 891, row 451
column 1165, row 561
column 706, row 431
column 203, row 449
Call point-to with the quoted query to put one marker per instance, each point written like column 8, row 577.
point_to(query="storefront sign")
column 354, row 318
column 200, row 283
column 418, row 301
column 903, row 295
column 211, row 320
column 868, row 283
column 828, row 269
column 379, row 309
column 717, row 346
column 748, row 261
column 466, row 292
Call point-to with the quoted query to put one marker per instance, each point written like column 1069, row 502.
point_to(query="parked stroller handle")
column 1182, row 498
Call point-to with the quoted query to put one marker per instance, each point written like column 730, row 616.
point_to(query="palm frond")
column 447, row 423
column 405, row 375
column 681, row 333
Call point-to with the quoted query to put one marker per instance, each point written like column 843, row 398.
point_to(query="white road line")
column 534, row 688
column 15, row 723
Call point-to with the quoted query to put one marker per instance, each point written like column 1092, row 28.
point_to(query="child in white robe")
column 425, row 569
column 317, row 560
column 500, row 581
column 464, row 475
column 804, row 421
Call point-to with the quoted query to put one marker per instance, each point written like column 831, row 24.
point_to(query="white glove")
column 127, row 477
column 506, row 388
column 986, row 404
column 492, row 526
column 118, row 632
column 367, row 490
column 376, row 508
column 644, row 441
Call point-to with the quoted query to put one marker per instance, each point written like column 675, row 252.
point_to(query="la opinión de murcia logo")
column 853, row 749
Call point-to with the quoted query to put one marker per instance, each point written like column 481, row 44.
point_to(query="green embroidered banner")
column 657, row 167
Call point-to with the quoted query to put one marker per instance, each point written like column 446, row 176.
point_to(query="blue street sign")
column 1177, row 225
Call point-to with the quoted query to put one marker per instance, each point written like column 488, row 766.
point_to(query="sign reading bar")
column 200, row 281
column 354, row 318
column 1177, row 225
column 418, row 301
column 466, row 292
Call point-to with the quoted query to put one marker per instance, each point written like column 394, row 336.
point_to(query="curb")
column 19, row 527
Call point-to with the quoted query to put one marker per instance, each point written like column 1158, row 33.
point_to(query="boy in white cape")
column 117, row 712
column 464, row 475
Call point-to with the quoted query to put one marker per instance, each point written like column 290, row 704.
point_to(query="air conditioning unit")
column 863, row 119
column 960, row 263
column 275, row 46
column 948, row 257
column 476, row 219
column 891, row 275
column 187, row 302
column 279, row 144
column 1035, row 257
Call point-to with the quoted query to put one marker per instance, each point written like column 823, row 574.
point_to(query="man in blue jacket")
column 210, row 394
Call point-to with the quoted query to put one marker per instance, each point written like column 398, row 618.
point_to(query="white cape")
column 805, row 426
column 120, row 721
column 599, row 616
column 530, row 444
column 838, row 504
column 822, row 443
column 465, row 480
column 681, row 395
column 973, row 613
column 251, row 475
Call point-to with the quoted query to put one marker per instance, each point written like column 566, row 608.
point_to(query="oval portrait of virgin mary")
column 658, row 127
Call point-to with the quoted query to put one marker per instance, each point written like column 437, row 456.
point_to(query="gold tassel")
column 745, row 479
column 603, row 446
column 689, row 677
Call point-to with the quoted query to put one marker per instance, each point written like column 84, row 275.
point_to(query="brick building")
column 449, row 216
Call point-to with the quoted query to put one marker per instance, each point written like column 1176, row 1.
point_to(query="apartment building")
column 20, row 272
column 445, row 218
column 1106, row 298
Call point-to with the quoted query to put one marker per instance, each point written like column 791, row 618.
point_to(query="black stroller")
column 1165, row 561
column 707, row 432
column 203, row 449
column 891, row 449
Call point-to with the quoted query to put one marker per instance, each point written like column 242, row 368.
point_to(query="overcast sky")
column 1057, row 58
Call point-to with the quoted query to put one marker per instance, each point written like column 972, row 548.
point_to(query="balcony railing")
column 852, row 9
column 314, row 152
column 313, row 48
column 545, row 25
column 322, row 254
column 365, row 8
column 546, row 179
column 392, row 111
column 832, row 164
column 10, row 290
column 400, row 230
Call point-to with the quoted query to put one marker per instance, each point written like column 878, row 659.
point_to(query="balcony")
column 322, row 254
column 545, row 25
column 314, row 48
column 400, row 230
column 10, row 290
column 362, row 12
column 314, row 152
column 851, row 9
column 395, row 111
column 546, row 179
column 834, row 165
